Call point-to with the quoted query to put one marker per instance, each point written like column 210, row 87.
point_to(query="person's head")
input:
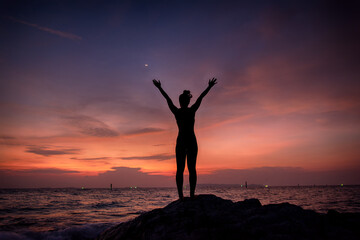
column 184, row 98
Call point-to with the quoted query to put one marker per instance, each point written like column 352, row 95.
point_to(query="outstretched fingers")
column 212, row 82
column 157, row 83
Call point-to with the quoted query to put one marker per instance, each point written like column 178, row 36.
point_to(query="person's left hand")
column 157, row 83
column 212, row 82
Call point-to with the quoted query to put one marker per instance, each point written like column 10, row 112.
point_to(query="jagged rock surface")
column 211, row 217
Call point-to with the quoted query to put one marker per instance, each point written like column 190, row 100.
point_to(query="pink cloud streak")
column 49, row 30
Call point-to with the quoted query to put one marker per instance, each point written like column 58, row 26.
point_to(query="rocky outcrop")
column 211, row 217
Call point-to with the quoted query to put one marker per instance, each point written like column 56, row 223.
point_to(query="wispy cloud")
column 91, row 159
column 6, row 137
column 90, row 126
column 158, row 157
column 49, row 171
column 45, row 151
column 143, row 131
column 10, row 141
column 100, row 132
column 46, row 29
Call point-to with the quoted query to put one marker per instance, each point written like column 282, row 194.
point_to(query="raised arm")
column 196, row 105
column 172, row 107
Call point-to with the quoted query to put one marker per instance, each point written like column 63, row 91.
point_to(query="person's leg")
column 180, row 163
column 191, row 163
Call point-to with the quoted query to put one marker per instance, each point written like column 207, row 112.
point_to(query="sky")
column 78, row 107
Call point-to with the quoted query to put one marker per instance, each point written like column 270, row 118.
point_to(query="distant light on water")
column 341, row 185
column 266, row 185
column 82, row 188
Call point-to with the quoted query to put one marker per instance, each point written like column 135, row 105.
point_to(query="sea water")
column 69, row 213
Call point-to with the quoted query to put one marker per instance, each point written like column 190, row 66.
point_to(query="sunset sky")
column 78, row 107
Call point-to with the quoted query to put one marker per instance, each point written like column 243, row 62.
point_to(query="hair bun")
column 187, row 92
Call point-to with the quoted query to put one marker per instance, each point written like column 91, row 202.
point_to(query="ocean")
column 71, row 213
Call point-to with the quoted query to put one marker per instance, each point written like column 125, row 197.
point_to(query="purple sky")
column 77, row 105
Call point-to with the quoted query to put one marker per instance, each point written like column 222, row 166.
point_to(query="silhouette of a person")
column 186, row 145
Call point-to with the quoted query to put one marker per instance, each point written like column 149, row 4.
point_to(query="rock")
column 211, row 217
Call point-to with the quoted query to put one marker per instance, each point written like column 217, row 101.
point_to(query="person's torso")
column 185, row 119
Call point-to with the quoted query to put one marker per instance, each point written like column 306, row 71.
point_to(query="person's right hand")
column 157, row 83
column 212, row 82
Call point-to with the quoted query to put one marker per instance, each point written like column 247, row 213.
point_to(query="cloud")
column 36, row 171
column 48, row 177
column 100, row 132
column 49, row 171
column 90, row 126
column 45, row 151
column 49, row 30
column 336, row 119
column 143, row 131
column 158, row 157
column 91, row 159
column 10, row 141
column 126, row 176
column 308, row 69
column 6, row 137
